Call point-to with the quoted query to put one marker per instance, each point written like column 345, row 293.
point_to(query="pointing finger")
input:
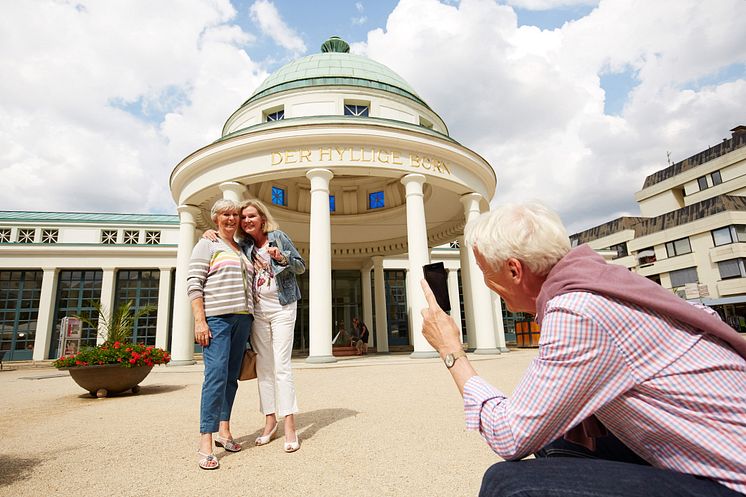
column 429, row 296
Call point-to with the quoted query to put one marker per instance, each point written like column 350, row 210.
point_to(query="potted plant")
column 117, row 364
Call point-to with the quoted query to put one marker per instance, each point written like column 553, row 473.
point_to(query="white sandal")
column 208, row 461
column 264, row 439
column 292, row 446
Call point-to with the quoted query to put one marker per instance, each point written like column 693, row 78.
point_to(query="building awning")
column 736, row 299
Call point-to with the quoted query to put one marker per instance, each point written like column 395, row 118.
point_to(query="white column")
column 45, row 318
column 182, row 334
column 233, row 191
column 464, row 252
column 320, row 270
column 164, row 305
column 497, row 308
column 484, row 325
column 108, row 285
column 382, row 321
column 455, row 300
column 419, row 255
column 367, row 316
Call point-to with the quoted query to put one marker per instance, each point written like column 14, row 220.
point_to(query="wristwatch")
column 450, row 359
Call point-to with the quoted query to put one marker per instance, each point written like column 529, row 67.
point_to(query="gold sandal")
column 227, row 443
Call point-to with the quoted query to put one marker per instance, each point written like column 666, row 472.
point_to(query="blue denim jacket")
column 287, row 286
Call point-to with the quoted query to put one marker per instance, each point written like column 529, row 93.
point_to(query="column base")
column 184, row 362
column 428, row 354
column 487, row 351
column 321, row 359
column 504, row 350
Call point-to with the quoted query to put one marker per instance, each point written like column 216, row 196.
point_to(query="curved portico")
column 350, row 190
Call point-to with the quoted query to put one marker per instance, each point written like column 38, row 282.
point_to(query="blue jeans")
column 563, row 469
column 222, row 358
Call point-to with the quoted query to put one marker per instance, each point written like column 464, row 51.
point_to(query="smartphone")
column 437, row 278
column 272, row 243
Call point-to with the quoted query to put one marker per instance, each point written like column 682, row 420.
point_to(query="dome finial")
column 335, row 44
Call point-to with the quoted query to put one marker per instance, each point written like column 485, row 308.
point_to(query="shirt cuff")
column 476, row 392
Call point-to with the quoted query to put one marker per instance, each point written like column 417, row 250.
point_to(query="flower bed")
column 126, row 355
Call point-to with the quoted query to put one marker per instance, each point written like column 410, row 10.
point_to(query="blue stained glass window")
column 332, row 203
column 278, row 195
column 375, row 200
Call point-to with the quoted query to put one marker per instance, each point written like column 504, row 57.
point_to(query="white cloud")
column 530, row 101
column 359, row 6
column 264, row 13
column 549, row 4
column 65, row 141
column 359, row 20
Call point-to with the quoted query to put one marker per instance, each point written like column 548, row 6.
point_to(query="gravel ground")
column 374, row 426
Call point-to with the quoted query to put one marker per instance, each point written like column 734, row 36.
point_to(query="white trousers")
column 272, row 340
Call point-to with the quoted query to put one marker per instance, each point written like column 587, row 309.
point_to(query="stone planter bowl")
column 107, row 379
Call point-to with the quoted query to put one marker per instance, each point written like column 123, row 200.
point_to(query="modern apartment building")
column 691, row 234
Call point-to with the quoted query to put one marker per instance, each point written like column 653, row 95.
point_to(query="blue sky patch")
column 617, row 87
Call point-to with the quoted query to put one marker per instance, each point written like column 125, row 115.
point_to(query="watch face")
column 449, row 360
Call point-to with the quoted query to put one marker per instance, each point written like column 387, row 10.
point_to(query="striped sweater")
column 215, row 275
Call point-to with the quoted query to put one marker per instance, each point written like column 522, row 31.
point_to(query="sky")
column 573, row 102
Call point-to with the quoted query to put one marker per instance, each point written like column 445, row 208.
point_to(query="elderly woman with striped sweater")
column 220, row 285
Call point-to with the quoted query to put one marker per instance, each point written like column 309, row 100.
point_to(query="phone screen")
column 437, row 278
column 272, row 243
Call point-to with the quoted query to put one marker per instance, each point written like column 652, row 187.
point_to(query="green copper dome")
column 335, row 66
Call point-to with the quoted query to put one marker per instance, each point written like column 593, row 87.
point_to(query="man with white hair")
column 619, row 356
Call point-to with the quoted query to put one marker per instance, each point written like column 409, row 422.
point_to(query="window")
column 20, row 293
column 425, row 123
column 139, row 286
column 375, row 200
column 733, row 268
column 49, row 236
column 683, row 276
column 356, row 110
column 716, row 178
column 276, row 115
column 26, row 235
column 702, row 182
column 573, row 242
column 646, row 256
column 729, row 234
column 454, row 244
column 108, row 237
column 76, row 292
column 332, row 203
column 278, row 195
column 620, row 249
column 131, row 237
column 152, row 237
column 678, row 247
column 4, row 235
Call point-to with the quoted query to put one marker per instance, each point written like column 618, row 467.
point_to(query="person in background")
column 276, row 263
column 619, row 357
column 361, row 334
column 219, row 284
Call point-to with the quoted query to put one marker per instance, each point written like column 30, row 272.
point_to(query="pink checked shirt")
column 674, row 396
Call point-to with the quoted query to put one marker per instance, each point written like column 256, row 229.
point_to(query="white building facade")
column 355, row 167
column 691, row 236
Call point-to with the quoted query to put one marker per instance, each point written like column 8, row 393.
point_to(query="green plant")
column 117, row 347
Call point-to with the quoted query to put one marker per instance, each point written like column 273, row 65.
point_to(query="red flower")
column 117, row 345
column 119, row 360
column 132, row 361
column 135, row 355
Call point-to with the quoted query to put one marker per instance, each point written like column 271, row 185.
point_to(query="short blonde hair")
column 530, row 232
column 223, row 205
column 269, row 222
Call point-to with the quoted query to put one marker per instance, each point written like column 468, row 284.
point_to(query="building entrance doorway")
column 395, row 282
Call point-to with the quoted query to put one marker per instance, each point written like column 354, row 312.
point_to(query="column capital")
column 470, row 198
column 232, row 187
column 166, row 269
column 377, row 259
column 187, row 214
column 319, row 173
column 414, row 178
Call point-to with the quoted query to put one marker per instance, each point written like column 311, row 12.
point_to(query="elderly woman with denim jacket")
column 276, row 293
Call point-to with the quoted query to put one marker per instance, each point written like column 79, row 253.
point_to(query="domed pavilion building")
column 358, row 170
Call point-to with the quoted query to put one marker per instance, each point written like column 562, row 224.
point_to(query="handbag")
column 248, row 365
